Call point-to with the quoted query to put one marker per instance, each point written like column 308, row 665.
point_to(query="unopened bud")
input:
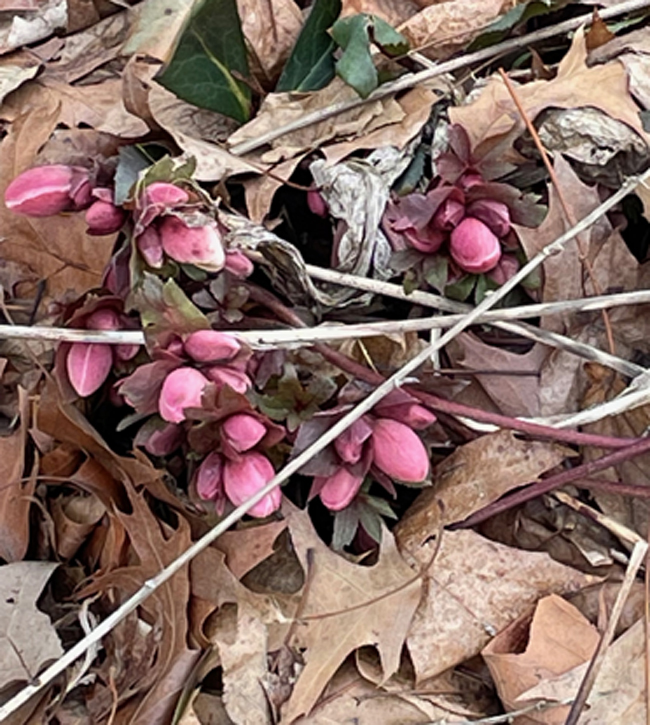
column 88, row 366
column 200, row 245
column 243, row 432
column 211, row 346
column 245, row 477
column 474, row 247
column 398, row 451
column 182, row 388
column 48, row 190
column 338, row 490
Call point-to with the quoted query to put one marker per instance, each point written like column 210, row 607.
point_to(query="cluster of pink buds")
column 48, row 190
column 88, row 364
column 168, row 220
column 384, row 443
column 221, row 361
column 462, row 217
column 238, row 471
column 168, row 223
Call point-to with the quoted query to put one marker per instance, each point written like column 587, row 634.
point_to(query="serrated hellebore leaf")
column 311, row 63
column 500, row 28
column 131, row 162
column 355, row 66
column 209, row 51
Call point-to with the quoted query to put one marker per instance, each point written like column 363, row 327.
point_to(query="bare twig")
column 508, row 717
column 414, row 79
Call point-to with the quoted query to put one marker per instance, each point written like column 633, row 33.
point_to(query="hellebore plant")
column 461, row 225
column 382, row 443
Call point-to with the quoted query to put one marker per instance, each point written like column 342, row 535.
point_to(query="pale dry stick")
column 265, row 339
column 636, row 560
column 568, row 214
column 413, row 79
column 392, row 383
column 508, row 717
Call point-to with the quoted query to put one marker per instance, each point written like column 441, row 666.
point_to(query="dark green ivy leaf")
column 311, row 63
column 501, row 28
column 209, row 58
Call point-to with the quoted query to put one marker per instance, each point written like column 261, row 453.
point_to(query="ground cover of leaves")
column 224, row 227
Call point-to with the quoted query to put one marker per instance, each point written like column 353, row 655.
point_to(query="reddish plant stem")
column 614, row 487
column 549, row 484
column 435, row 402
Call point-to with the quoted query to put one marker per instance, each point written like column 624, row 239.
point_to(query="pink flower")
column 349, row 445
column 211, row 346
column 199, row 245
column 162, row 441
column 474, row 247
column 398, row 452
column 494, row 214
column 47, row 190
column 245, row 477
column 103, row 319
column 182, row 388
column 88, row 366
column 449, row 215
column 209, row 480
column 236, row 379
column 238, row 263
column 317, row 205
column 158, row 198
column 150, row 247
column 243, row 432
column 103, row 217
column 338, row 490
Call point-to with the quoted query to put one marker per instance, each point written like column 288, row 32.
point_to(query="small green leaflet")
column 354, row 35
column 311, row 63
column 209, row 58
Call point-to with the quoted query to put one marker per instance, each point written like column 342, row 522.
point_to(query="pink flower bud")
column 211, row 346
column 317, row 205
column 338, row 490
column 245, row 477
column 164, row 194
column 150, row 247
column 243, row 431
column 449, row 215
column 209, row 479
column 126, row 352
column 103, row 217
column 398, row 452
column 200, row 245
column 411, row 414
column 238, row 264
column 349, row 445
column 508, row 266
column 474, row 247
column 157, row 199
column 494, row 214
column 88, row 366
column 427, row 240
column 103, row 319
column 236, row 379
column 181, row 389
column 47, row 190
column 163, row 441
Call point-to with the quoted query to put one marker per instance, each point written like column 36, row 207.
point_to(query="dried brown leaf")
column 576, row 85
column 28, row 640
column 560, row 638
column 363, row 602
column 477, row 587
column 470, row 478
column 246, row 548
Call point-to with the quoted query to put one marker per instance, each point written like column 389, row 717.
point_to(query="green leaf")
column 346, row 523
column 436, row 271
column 461, row 289
column 311, row 63
column 209, row 52
column 130, row 164
column 355, row 66
column 500, row 28
column 387, row 38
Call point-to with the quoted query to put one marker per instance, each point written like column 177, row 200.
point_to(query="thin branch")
column 394, row 382
column 414, row 79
